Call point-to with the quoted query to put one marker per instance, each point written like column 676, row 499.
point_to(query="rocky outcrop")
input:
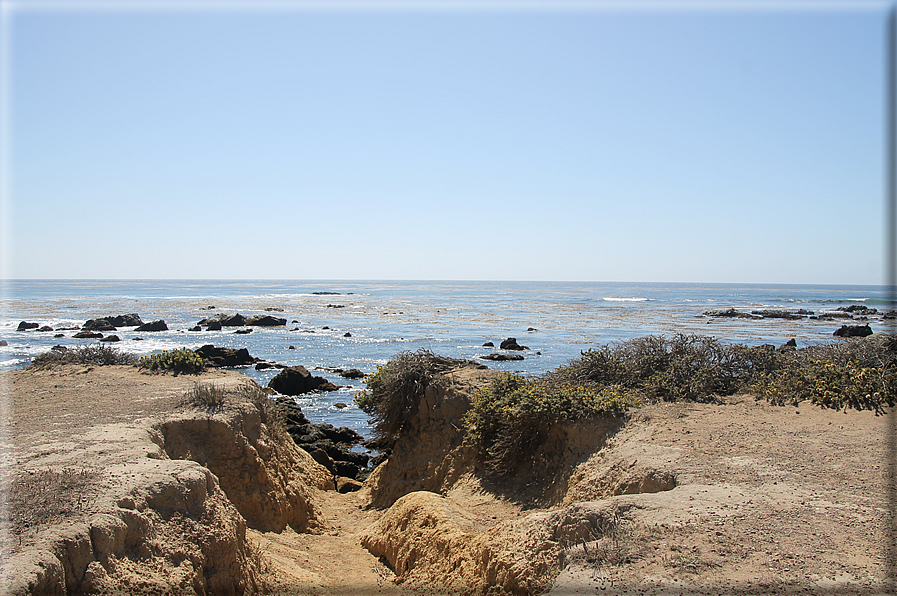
column 224, row 320
column 221, row 357
column 329, row 446
column 777, row 314
column 266, row 321
column 266, row 476
column 430, row 454
column 432, row 540
column 511, row 344
column 296, row 380
column 87, row 335
column 853, row 331
column 153, row 326
column 730, row 313
column 111, row 323
column 502, row 357
column 25, row 326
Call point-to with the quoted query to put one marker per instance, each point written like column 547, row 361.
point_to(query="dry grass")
column 48, row 496
column 214, row 396
column 99, row 355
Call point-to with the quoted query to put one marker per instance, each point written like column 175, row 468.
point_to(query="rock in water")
column 296, row 380
column 153, row 326
column 853, row 331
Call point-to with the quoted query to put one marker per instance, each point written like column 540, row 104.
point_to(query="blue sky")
column 706, row 142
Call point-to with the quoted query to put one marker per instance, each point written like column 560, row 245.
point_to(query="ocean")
column 360, row 324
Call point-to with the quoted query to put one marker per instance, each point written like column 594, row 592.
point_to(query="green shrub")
column 511, row 417
column 682, row 367
column 831, row 385
column 100, row 355
column 394, row 390
column 179, row 361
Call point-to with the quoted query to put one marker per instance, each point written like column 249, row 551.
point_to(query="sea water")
column 360, row 324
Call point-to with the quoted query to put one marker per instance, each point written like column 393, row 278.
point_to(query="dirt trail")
column 333, row 562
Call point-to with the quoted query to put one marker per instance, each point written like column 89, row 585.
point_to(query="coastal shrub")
column 857, row 373
column 179, row 361
column 681, row 367
column 510, row 418
column 395, row 388
column 99, row 355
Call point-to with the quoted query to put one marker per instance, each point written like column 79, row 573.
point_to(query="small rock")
column 488, row 344
column 25, row 326
column 340, row 405
column 347, row 485
column 153, row 326
column 501, row 357
column 111, row 338
column 853, row 331
column 347, row 334
column 3, row 343
column 352, row 373
column 511, row 344
column 88, row 335
column 243, row 331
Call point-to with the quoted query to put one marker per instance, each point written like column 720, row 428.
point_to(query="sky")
column 665, row 141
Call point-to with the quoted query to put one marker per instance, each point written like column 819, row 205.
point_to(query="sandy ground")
column 767, row 499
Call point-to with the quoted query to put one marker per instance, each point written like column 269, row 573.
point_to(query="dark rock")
column 532, row 329
column 243, row 331
column 25, row 326
column 500, row 357
column 87, row 335
column 224, row 320
column 296, row 380
column 46, row 328
column 130, row 320
column 352, row 373
column 829, row 316
column 858, row 309
column 195, row 328
column 214, row 326
column 273, row 309
column 336, row 306
column 853, row 331
column 138, row 339
column 777, row 314
column 266, row 321
column 488, row 344
column 111, row 338
column 153, row 326
column 291, row 348
column 58, row 335
column 3, row 343
column 207, row 308
column 325, row 293
column 226, row 356
column 511, row 344
column 788, row 346
column 340, row 405
column 347, row 334
column 98, row 325
column 729, row 312
column 803, row 311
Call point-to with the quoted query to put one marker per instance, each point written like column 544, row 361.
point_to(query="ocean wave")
column 612, row 299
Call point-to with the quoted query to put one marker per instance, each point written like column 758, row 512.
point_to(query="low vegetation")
column 98, row 355
column 213, row 397
column 40, row 498
column 177, row 361
column 394, row 389
column 511, row 417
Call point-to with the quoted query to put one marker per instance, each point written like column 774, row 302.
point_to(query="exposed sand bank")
column 683, row 498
